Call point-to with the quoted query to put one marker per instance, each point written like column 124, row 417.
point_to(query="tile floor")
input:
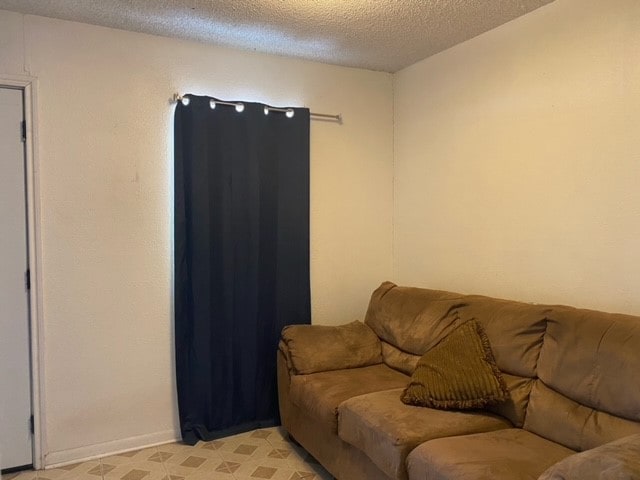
column 260, row 454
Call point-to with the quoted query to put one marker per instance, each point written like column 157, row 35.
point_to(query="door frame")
column 28, row 85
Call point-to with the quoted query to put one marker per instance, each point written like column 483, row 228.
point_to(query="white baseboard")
column 91, row 452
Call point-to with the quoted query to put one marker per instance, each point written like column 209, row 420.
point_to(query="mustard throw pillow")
column 460, row 372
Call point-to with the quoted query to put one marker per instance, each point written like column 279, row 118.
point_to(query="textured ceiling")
column 383, row 35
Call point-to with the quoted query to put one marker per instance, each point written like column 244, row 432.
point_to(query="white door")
column 15, row 364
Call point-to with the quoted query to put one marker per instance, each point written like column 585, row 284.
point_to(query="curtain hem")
column 200, row 432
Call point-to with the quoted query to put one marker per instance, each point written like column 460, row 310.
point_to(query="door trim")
column 28, row 85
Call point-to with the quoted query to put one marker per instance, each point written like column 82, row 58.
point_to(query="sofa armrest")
column 319, row 348
column 614, row 460
column 286, row 355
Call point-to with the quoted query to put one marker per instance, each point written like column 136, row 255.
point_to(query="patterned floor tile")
column 275, row 462
column 102, row 470
column 187, row 463
column 82, row 476
column 73, row 471
column 213, row 445
column 24, row 475
column 136, row 456
column 136, row 474
column 302, row 475
column 51, row 474
column 193, row 461
column 174, row 448
column 160, row 456
column 315, row 471
column 130, row 454
column 232, row 443
column 265, row 454
column 145, row 465
column 182, row 456
column 244, row 449
column 278, row 434
column 211, row 474
column 296, row 451
column 46, row 475
column 260, row 470
column 135, row 471
column 245, row 452
column 227, row 467
column 280, row 453
column 264, row 472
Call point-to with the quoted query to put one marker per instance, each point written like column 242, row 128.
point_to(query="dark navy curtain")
column 241, row 259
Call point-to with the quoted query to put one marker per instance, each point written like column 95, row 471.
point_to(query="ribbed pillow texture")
column 460, row 372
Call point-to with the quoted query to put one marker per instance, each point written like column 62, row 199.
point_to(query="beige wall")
column 105, row 154
column 517, row 160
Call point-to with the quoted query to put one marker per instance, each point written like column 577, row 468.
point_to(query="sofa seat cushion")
column 615, row 460
column 386, row 429
column 319, row 394
column 512, row 454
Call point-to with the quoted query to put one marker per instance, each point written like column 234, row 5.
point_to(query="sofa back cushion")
column 567, row 422
column 410, row 321
column 587, row 393
column 572, row 372
column 415, row 319
column 594, row 358
column 402, row 361
column 615, row 460
column 515, row 408
column 515, row 329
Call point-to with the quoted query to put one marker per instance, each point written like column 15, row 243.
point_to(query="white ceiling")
column 383, row 35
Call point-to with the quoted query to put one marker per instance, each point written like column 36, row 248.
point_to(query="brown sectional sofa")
column 573, row 377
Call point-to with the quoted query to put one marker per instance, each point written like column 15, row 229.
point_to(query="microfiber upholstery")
column 558, row 418
column 516, row 331
column 511, row 454
column 586, row 356
column 319, row 348
column 396, row 358
column 571, row 376
column 412, row 319
column 617, row 460
column 386, row 429
column 319, row 394
column 515, row 406
column 458, row 373
column 587, row 392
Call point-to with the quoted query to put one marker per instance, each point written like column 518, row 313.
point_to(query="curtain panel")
column 241, row 246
